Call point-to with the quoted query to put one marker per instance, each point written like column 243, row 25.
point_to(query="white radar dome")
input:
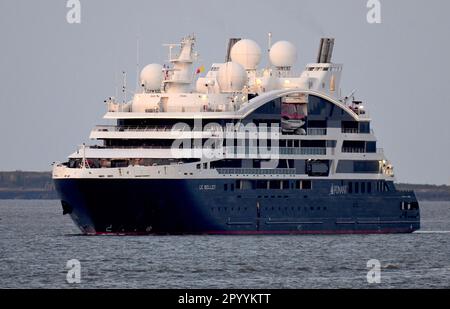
column 231, row 77
column 151, row 77
column 283, row 54
column 247, row 53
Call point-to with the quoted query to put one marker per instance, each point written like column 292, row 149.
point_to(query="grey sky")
column 54, row 76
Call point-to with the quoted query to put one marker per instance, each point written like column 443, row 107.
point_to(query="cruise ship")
column 238, row 149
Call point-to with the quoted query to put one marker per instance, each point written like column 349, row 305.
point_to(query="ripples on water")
column 37, row 241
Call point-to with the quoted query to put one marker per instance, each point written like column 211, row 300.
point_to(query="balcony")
column 317, row 131
column 256, row 171
column 277, row 150
column 361, row 150
column 354, row 131
column 182, row 129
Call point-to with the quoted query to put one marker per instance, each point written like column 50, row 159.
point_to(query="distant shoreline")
column 39, row 186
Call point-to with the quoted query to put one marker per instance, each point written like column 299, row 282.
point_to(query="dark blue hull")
column 144, row 206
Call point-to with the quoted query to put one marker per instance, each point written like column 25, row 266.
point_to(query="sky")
column 54, row 76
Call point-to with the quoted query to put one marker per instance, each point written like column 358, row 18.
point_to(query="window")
column 261, row 184
column 306, row 185
column 356, row 187
column 371, row 147
column 409, row 205
column 363, row 187
column 364, row 127
column 303, row 184
column 238, row 184
column 350, row 187
column 370, row 167
column 369, row 187
column 274, row 184
column 225, row 187
column 316, row 105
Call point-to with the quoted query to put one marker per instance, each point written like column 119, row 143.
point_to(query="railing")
column 256, row 171
column 303, row 151
column 350, row 130
column 132, row 128
column 276, row 150
column 180, row 129
column 355, row 131
column 116, row 107
column 353, row 150
column 361, row 150
column 317, row 131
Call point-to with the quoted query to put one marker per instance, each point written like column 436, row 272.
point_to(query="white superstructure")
column 229, row 94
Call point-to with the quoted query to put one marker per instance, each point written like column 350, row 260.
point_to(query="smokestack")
column 325, row 50
column 231, row 43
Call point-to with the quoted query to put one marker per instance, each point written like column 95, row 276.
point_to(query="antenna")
column 171, row 46
column 124, row 87
column 270, row 41
column 137, row 63
column 269, row 48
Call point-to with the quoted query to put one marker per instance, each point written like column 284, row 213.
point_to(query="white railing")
column 355, row 131
column 361, row 150
column 169, row 129
column 256, row 171
column 317, row 131
column 276, row 150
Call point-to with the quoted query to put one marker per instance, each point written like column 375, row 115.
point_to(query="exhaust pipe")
column 231, row 43
column 325, row 50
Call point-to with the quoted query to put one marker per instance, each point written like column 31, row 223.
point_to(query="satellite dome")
column 231, row 77
column 283, row 54
column 269, row 83
column 247, row 53
column 151, row 77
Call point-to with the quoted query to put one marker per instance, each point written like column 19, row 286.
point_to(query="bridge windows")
column 358, row 167
column 355, row 127
column 359, row 147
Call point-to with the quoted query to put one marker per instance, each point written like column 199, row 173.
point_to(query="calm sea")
column 37, row 241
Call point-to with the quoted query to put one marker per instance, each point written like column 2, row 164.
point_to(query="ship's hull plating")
column 144, row 206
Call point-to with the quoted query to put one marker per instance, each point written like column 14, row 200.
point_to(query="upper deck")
column 237, row 111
